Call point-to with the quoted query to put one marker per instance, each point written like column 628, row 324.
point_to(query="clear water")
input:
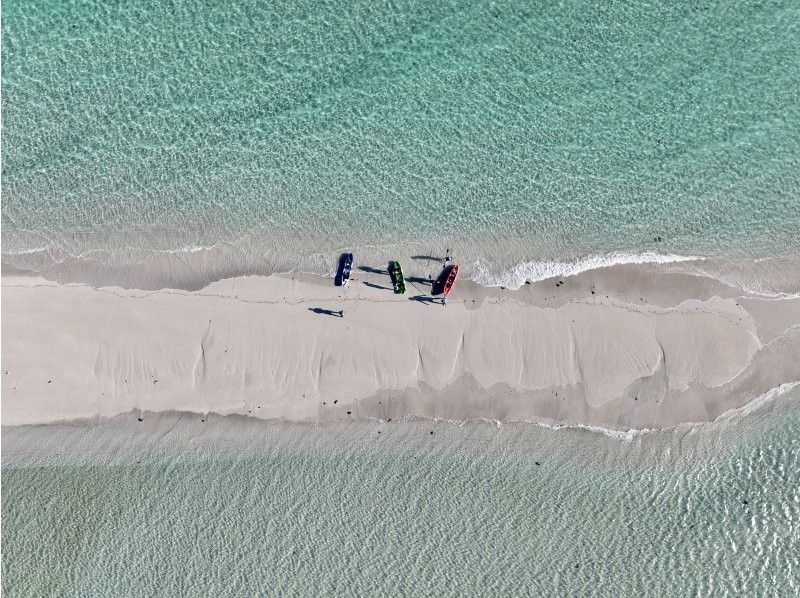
column 290, row 130
column 232, row 507
column 211, row 139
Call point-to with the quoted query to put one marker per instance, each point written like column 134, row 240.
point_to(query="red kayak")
column 451, row 280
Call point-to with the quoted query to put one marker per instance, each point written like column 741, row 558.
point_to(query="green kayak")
column 397, row 277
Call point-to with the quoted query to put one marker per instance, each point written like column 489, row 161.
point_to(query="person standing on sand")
column 444, row 301
column 341, row 313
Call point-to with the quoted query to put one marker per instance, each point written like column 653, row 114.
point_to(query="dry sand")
column 621, row 347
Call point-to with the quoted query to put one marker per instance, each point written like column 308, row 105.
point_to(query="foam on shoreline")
column 193, row 266
column 533, row 271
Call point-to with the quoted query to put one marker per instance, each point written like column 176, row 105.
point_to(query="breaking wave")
column 541, row 270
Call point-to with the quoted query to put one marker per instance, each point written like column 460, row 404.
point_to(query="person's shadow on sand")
column 327, row 312
column 424, row 299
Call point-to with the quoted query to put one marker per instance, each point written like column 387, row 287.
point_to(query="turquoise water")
column 212, row 139
column 231, row 507
column 292, row 129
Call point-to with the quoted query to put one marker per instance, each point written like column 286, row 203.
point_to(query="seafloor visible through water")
column 231, row 506
column 169, row 144
column 276, row 134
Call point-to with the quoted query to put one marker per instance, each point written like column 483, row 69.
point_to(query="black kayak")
column 345, row 269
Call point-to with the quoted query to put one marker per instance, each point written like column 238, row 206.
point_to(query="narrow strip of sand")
column 623, row 347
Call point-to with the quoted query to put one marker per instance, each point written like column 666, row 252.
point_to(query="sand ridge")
column 596, row 348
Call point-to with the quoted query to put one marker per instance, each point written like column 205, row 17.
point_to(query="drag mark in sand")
column 199, row 371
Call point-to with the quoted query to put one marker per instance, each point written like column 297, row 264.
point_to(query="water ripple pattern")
column 231, row 507
column 570, row 128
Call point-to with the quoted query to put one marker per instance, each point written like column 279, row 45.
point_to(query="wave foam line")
column 541, row 270
column 16, row 252
column 623, row 435
column 731, row 415
column 757, row 403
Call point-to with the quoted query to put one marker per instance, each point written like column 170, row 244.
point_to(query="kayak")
column 345, row 269
column 451, row 279
column 398, row 282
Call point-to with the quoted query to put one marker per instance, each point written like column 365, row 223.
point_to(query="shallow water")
column 183, row 143
column 233, row 506
column 290, row 131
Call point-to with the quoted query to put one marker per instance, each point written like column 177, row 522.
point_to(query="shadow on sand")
column 424, row 299
column 327, row 312
column 373, row 270
column 376, row 286
column 419, row 280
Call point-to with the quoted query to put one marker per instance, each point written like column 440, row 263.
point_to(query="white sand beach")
column 620, row 347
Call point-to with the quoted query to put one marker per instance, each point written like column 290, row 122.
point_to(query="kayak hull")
column 450, row 281
column 345, row 269
column 398, row 281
